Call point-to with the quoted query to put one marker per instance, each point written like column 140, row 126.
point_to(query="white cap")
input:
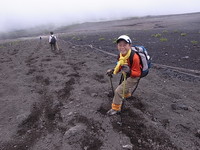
column 125, row 38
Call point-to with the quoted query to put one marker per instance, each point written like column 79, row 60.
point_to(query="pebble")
column 79, row 128
column 65, row 107
column 185, row 57
column 139, row 141
column 198, row 133
column 90, row 46
column 22, row 117
column 179, row 107
column 94, row 94
column 70, row 113
column 127, row 146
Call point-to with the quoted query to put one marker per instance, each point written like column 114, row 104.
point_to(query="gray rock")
column 127, row 146
column 94, row 94
column 179, row 107
column 74, row 130
column 198, row 133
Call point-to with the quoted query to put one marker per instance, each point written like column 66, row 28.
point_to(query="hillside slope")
column 58, row 100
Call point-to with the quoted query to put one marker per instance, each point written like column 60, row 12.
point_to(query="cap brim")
column 121, row 40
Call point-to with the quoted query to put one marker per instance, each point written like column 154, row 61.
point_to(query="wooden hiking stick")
column 112, row 86
column 57, row 46
column 123, row 98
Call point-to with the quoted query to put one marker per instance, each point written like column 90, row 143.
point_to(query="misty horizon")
column 21, row 14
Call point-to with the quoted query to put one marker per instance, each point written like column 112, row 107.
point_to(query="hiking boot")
column 112, row 112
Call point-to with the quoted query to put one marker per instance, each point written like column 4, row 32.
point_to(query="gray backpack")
column 145, row 59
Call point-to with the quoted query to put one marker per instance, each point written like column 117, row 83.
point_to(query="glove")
column 126, row 69
column 110, row 72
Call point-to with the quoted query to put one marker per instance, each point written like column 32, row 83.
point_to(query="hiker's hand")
column 110, row 72
column 126, row 69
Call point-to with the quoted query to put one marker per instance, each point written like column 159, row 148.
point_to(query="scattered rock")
column 139, row 141
column 179, row 107
column 66, row 106
column 198, row 133
column 70, row 113
column 22, row 117
column 185, row 57
column 94, row 94
column 90, row 46
column 73, row 47
column 109, row 94
column 127, row 147
column 74, row 130
column 85, row 147
column 106, row 93
column 165, row 122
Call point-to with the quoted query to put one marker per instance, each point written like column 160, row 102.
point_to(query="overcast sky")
column 19, row 14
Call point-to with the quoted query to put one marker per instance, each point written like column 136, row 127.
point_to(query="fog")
column 21, row 14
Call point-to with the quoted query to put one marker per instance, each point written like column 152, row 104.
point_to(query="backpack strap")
column 131, row 63
column 131, row 58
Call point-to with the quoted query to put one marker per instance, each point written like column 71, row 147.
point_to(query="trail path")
column 58, row 100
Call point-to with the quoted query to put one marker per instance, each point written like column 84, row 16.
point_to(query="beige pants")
column 130, row 84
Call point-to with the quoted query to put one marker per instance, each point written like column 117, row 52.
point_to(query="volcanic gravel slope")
column 57, row 100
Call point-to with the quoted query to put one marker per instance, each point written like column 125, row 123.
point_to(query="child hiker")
column 132, row 72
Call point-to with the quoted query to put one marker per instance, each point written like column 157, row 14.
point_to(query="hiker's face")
column 123, row 47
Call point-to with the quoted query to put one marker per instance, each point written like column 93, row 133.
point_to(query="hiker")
column 132, row 72
column 52, row 41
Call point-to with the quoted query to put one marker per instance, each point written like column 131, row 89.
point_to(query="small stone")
column 22, row 117
column 198, row 133
column 106, row 93
column 139, row 141
column 90, row 46
column 79, row 128
column 65, row 107
column 94, row 94
column 127, row 146
column 70, row 113
column 185, row 57
column 85, row 147
column 149, row 140
column 78, row 105
column 179, row 107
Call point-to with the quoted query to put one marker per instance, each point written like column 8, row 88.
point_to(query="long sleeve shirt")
column 135, row 67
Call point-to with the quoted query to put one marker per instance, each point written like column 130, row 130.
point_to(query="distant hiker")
column 40, row 38
column 52, row 41
column 132, row 71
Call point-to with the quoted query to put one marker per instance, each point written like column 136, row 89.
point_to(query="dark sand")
column 57, row 100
